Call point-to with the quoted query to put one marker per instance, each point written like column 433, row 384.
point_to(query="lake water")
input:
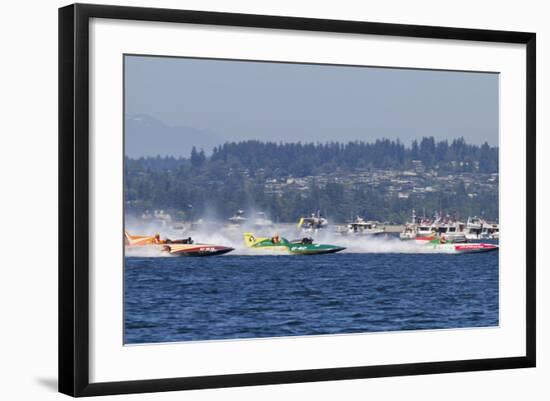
column 240, row 296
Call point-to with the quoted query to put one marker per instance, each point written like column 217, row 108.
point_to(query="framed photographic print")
column 250, row 199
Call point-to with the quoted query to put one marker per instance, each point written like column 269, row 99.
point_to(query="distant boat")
column 451, row 230
column 361, row 227
column 313, row 223
column 474, row 226
column 420, row 229
column 477, row 228
column 426, row 230
column 238, row 218
column 491, row 230
column 419, row 232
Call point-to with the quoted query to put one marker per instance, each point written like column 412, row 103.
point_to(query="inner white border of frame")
column 111, row 361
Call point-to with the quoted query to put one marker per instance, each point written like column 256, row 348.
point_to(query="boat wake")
column 146, row 252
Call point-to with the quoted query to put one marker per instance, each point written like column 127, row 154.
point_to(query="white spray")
column 218, row 232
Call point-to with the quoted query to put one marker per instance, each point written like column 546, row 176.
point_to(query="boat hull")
column 314, row 249
column 298, row 249
column 475, row 248
column 278, row 245
column 196, row 250
column 362, row 233
column 461, row 248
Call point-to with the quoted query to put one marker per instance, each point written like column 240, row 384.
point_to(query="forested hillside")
column 381, row 180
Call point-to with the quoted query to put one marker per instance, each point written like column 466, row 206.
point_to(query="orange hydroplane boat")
column 179, row 247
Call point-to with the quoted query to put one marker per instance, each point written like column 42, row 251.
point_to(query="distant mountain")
column 147, row 136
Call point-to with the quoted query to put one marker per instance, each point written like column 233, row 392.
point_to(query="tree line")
column 234, row 175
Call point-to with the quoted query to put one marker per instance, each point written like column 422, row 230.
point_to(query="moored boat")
column 361, row 227
column 426, row 230
column 491, row 230
column 451, row 230
column 477, row 228
column 418, row 233
column 313, row 224
column 474, row 226
column 421, row 229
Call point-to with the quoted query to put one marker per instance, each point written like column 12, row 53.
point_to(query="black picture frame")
column 74, row 198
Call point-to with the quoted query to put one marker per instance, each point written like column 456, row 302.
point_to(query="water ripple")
column 179, row 299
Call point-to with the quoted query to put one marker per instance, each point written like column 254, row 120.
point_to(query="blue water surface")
column 231, row 296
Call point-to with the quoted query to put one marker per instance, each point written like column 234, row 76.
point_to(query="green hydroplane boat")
column 277, row 244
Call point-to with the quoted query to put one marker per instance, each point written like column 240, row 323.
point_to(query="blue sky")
column 239, row 100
